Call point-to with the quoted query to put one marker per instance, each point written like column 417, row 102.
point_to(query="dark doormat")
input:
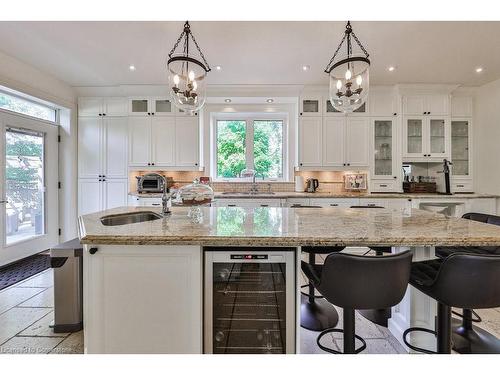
column 22, row 269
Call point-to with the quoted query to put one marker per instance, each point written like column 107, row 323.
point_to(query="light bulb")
column 348, row 74
column 195, row 85
column 339, row 84
column 191, row 75
column 176, row 79
column 359, row 80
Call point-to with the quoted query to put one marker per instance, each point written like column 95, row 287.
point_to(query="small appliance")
column 299, row 184
column 312, row 185
column 152, row 183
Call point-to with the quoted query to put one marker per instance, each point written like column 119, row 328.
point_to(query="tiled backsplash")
column 329, row 181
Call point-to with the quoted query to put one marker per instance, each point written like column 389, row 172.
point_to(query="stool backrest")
column 369, row 206
column 469, row 281
column 483, row 218
column 364, row 282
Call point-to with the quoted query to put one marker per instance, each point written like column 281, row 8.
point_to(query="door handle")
column 4, row 201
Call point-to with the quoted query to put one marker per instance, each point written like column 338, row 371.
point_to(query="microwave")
column 152, row 183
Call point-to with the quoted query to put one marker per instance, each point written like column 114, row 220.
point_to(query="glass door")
column 383, row 138
column 414, row 137
column 460, row 147
column 437, row 135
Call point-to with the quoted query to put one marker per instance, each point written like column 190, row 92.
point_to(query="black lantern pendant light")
column 349, row 73
column 187, row 70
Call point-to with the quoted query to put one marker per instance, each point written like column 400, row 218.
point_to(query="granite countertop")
column 284, row 195
column 273, row 226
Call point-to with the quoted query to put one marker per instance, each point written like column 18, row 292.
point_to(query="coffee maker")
column 444, row 178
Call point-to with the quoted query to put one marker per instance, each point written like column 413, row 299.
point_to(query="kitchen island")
column 143, row 282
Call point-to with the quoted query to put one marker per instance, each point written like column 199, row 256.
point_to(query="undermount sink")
column 130, row 218
column 247, row 193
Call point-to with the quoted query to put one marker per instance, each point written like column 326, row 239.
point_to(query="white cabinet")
column 356, row 142
column 426, row 138
column 163, row 141
column 310, row 135
column 334, row 202
column 139, row 141
column 151, row 106
column 383, row 103
column 333, row 141
column 311, row 105
column 98, row 106
column 101, row 194
column 187, row 140
column 143, row 299
column 136, row 201
column 432, row 104
column 461, row 106
column 102, row 147
column 386, row 162
column 248, row 202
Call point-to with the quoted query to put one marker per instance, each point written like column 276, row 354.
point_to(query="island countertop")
column 275, row 226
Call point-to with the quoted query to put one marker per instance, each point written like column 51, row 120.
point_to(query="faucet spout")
column 165, row 199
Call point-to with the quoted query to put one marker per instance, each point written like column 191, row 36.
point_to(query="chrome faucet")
column 166, row 198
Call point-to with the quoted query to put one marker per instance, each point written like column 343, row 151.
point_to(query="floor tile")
column 42, row 328
column 17, row 319
column 30, row 345
column 73, row 344
column 44, row 279
column 11, row 297
column 43, row 299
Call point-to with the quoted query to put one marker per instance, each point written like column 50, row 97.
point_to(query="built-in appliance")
column 249, row 300
column 152, row 183
column 312, row 185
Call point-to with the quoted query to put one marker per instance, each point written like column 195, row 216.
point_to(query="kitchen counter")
column 275, row 226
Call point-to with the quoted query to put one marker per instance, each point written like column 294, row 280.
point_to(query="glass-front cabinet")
column 151, row 106
column 414, row 136
column 460, row 143
column 311, row 106
column 426, row 138
column 383, row 136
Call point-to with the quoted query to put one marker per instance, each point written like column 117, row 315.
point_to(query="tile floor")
column 27, row 310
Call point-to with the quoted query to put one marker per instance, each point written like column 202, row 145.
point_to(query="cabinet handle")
column 334, row 204
column 460, row 185
column 264, row 205
column 394, row 177
column 104, row 114
column 395, row 114
column 196, row 164
column 231, row 205
column 149, row 163
column 300, row 113
column 100, row 180
column 93, row 250
column 152, row 163
column 100, row 114
column 348, row 164
column 153, row 113
column 149, row 113
column 155, row 204
column 428, row 113
column 382, row 185
column 300, row 163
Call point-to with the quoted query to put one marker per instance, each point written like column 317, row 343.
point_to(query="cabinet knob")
column 300, row 114
column 394, row 177
column 428, row 113
column 300, row 163
column 348, row 164
column 100, row 114
column 100, row 180
column 149, row 113
column 104, row 114
column 152, row 163
column 153, row 113
column 93, row 250
column 196, row 164
column 395, row 114
column 149, row 163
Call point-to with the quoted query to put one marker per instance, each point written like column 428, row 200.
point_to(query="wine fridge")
column 249, row 300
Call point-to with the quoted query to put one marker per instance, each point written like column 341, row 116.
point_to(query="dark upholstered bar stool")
column 458, row 281
column 466, row 337
column 316, row 314
column 357, row 282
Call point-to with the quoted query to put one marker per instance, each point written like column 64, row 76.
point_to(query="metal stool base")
column 333, row 351
column 317, row 316
column 416, row 348
column 474, row 341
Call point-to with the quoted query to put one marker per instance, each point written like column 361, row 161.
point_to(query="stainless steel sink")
column 130, row 218
column 247, row 193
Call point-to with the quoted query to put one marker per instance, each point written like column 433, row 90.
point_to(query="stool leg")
column 470, row 339
column 467, row 318
column 443, row 329
column 349, row 332
column 312, row 260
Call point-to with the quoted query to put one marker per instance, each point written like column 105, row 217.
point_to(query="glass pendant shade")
column 349, row 74
column 187, row 72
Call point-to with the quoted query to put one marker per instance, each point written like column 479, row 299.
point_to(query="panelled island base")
column 143, row 282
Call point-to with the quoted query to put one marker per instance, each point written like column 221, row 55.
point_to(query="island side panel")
column 143, row 299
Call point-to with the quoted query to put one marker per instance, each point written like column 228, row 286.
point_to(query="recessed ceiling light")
column 479, row 69
column 270, row 100
column 305, row 68
column 132, row 67
column 391, row 68
column 227, row 100
column 218, row 67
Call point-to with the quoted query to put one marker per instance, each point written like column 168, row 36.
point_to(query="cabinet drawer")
column 462, row 186
column 338, row 202
column 383, row 186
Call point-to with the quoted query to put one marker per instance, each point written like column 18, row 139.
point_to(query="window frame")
column 249, row 144
column 14, row 94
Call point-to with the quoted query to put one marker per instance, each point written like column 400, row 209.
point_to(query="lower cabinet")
column 334, row 202
column 143, row 299
column 97, row 195
column 136, row 201
column 249, row 202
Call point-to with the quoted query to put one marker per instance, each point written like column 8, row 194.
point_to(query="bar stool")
column 357, row 282
column 467, row 338
column 458, row 281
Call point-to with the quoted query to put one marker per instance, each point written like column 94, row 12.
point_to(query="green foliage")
column 231, row 137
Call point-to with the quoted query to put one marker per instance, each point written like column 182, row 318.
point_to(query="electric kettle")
column 312, row 185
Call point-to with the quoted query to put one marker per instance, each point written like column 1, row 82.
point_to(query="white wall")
column 487, row 138
column 27, row 79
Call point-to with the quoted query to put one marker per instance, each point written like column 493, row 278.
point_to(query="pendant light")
column 349, row 74
column 187, row 71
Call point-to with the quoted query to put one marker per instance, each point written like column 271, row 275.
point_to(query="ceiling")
column 99, row 53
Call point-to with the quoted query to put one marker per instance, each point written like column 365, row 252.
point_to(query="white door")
column 89, row 196
column 115, row 107
column 139, row 141
column 357, row 142
column 115, row 147
column 90, row 107
column 310, row 133
column 333, row 141
column 187, row 134
column 115, row 193
column 163, row 141
column 29, row 191
column 89, row 147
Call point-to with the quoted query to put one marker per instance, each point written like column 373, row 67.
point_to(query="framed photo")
column 355, row 181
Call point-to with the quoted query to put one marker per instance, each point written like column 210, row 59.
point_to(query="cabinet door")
column 414, row 137
column 115, row 106
column 90, row 106
column 310, row 133
column 437, row 105
column 143, row 299
column 162, row 107
column 383, row 104
column 414, row 105
column 89, row 196
column 460, row 147
column 461, row 106
column 90, row 147
column 139, row 141
column 163, row 141
column 336, row 202
column 438, row 137
column 187, row 135
column 333, row 141
column 384, row 146
column 115, row 148
column 115, row 193
column 357, row 133
column 139, row 106
column 311, row 106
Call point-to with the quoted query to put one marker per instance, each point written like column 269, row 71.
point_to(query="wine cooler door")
column 249, row 302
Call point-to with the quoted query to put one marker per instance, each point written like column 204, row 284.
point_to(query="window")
column 26, row 107
column 249, row 144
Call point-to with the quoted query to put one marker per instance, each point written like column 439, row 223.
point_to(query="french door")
column 29, row 189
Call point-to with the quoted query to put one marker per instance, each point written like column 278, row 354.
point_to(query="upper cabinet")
column 152, row 106
column 97, row 106
column 460, row 147
column 431, row 104
column 383, row 102
column 426, row 138
column 310, row 136
column 461, row 106
column 311, row 106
